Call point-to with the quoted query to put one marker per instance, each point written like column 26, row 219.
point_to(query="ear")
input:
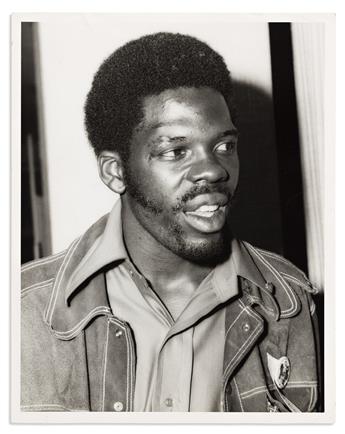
column 110, row 170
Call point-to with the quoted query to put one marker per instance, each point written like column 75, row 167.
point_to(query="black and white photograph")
column 172, row 217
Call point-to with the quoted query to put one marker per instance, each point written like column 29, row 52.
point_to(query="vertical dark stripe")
column 30, row 99
column 27, row 127
column 31, row 146
column 287, row 143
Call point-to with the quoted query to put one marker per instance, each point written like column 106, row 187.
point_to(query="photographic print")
column 170, row 211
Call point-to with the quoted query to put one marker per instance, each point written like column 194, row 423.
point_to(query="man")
column 157, row 307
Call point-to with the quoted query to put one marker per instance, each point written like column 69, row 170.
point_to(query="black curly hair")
column 142, row 67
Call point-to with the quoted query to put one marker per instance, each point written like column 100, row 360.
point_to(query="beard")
column 211, row 249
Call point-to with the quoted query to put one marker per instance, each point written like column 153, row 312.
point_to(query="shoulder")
column 286, row 269
column 40, row 274
column 37, row 282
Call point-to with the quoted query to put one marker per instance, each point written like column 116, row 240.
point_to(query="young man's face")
column 183, row 171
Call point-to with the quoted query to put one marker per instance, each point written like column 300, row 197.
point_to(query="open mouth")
column 207, row 219
column 205, row 211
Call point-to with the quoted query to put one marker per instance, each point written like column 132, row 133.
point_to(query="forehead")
column 185, row 106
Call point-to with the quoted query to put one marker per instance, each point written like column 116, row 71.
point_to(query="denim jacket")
column 77, row 356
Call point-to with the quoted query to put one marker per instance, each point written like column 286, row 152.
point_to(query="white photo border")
column 17, row 416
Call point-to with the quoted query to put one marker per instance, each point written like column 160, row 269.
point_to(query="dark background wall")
column 270, row 209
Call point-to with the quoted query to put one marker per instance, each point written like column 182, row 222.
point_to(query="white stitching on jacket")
column 31, row 288
column 276, row 273
column 49, row 311
column 311, row 399
column 48, row 260
column 51, row 406
column 311, row 289
column 234, row 321
column 105, row 364
column 37, row 285
column 246, row 344
column 242, row 349
column 130, row 367
column 239, row 395
column 75, row 330
column 128, row 370
column 290, row 385
column 288, row 290
column 281, row 259
column 132, row 373
column 59, row 278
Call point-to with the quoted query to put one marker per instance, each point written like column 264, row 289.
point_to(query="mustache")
column 197, row 190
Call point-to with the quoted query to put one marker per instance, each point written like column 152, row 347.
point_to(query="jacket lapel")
column 243, row 327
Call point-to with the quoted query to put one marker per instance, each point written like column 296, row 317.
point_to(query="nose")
column 206, row 167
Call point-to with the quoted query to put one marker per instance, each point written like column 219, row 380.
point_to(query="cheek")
column 165, row 179
column 157, row 187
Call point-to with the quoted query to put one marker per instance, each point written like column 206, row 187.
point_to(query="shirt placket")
column 174, row 373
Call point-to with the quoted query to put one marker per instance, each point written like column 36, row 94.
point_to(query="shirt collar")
column 108, row 248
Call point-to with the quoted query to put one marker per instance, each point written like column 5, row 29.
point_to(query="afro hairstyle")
column 143, row 67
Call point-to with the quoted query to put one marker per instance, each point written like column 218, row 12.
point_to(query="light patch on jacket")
column 279, row 370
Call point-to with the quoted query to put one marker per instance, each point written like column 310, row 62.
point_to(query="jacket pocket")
column 295, row 399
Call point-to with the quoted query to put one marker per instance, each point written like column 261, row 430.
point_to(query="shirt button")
column 169, row 402
column 118, row 406
column 118, row 333
column 269, row 287
column 246, row 327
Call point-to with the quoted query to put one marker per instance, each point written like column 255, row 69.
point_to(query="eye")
column 173, row 154
column 226, row 147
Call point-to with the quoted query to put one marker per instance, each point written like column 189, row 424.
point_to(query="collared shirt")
column 179, row 363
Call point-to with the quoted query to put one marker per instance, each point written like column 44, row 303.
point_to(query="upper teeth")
column 208, row 208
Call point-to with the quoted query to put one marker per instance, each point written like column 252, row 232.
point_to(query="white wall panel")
column 309, row 66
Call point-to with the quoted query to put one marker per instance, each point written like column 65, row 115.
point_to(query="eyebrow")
column 171, row 139
column 232, row 132
column 155, row 126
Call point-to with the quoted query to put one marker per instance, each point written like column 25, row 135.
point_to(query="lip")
column 209, row 199
column 207, row 223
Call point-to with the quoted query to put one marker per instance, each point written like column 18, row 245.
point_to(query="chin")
column 210, row 249
column 208, row 252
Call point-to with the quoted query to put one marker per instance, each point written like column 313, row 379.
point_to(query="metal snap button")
column 269, row 287
column 246, row 327
column 169, row 402
column 118, row 406
column 118, row 333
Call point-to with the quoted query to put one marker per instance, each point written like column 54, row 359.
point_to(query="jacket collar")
column 79, row 290
column 276, row 297
column 78, row 293
column 106, row 248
